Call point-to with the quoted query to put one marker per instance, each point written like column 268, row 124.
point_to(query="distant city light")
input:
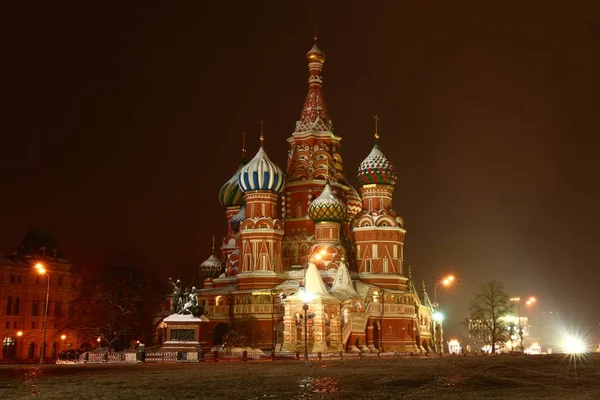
column 574, row 345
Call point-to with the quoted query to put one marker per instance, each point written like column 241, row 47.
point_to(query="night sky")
column 121, row 122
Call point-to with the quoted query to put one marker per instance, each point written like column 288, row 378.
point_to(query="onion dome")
column 353, row 202
column 261, row 174
column 377, row 169
column 327, row 207
column 212, row 267
column 315, row 54
column 237, row 219
column 230, row 194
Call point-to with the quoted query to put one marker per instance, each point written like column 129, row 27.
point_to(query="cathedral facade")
column 309, row 260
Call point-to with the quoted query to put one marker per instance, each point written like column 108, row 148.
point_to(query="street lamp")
column 41, row 269
column 62, row 341
column 447, row 281
column 19, row 335
column 306, row 298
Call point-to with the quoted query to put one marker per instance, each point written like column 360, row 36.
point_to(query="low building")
column 23, row 292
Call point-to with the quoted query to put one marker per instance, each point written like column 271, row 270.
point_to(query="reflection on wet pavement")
column 310, row 386
column 30, row 378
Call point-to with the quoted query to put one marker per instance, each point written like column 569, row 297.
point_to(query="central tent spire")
column 314, row 117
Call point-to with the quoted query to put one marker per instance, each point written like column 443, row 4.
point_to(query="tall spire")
column 262, row 136
column 376, row 118
column 314, row 117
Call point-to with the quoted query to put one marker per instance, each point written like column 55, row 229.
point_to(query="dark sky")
column 121, row 121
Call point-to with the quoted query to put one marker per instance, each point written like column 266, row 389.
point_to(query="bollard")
column 201, row 355
column 378, row 353
column 360, row 354
column 297, row 355
column 245, row 355
column 216, row 355
column 319, row 356
column 341, row 354
column 179, row 355
column 272, row 354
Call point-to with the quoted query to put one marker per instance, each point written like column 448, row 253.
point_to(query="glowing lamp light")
column 306, row 297
column 438, row 316
column 40, row 268
column 574, row 345
column 63, row 337
column 99, row 340
column 20, row 333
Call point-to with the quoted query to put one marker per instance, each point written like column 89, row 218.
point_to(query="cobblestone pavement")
column 491, row 377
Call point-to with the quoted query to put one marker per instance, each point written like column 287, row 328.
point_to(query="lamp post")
column 305, row 308
column 43, row 271
column 447, row 281
column 517, row 300
column 20, row 336
column 62, row 341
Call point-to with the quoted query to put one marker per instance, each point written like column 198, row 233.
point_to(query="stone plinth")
column 183, row 332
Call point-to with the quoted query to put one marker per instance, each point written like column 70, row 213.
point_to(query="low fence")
column 228, row 355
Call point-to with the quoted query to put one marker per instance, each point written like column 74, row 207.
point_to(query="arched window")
column 31, row 350
column 368, row 265
column 298, row 209
column 385, row 265
column 70, row 310
column 9, row 305
column 17, row 304
column 35, row 308
column 60, row 281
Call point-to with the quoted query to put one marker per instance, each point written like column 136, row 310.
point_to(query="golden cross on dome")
column 262, row 136
column 244, row 145
column 212, row 251
column 315, row 35
column 376, row 118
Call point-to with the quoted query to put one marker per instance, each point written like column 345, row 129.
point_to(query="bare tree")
column 486, row 322
column 116, row 305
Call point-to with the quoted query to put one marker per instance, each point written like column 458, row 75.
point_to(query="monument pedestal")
column 182, row 332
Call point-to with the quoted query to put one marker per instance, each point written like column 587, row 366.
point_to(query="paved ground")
column 503, row 377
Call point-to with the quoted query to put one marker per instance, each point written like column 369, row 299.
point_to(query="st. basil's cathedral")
column 305, row 253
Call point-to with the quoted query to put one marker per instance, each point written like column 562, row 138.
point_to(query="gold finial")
column 376, row 118
column 262, row 136
column 212, row 251
column 243, row 145
column 315, row 35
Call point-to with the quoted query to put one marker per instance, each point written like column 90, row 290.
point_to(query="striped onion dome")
column 261, row 174
column 211, row 268
column 327, row 207
column 230, row 194
column 376, row 168
column 353, row 202
column 238, row 218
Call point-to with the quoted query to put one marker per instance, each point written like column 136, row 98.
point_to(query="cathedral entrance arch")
column 426, row 345
column 376, row 334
